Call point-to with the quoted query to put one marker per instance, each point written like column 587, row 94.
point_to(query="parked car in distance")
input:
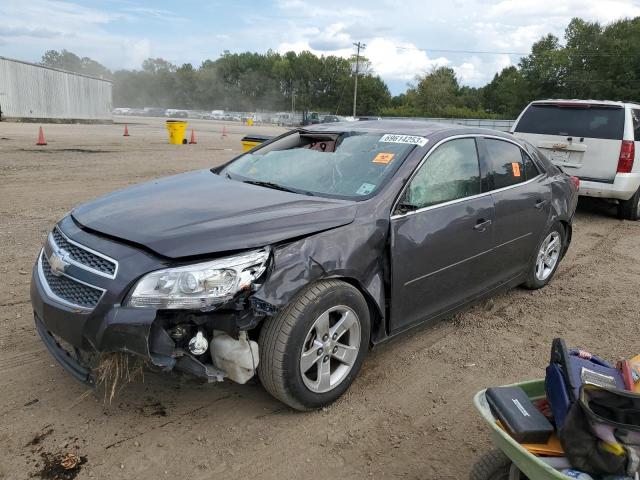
column 154, row 112
column 175, row 113
column 330, row 119
column 593, row 140
column 296, row 257
column 121, row 111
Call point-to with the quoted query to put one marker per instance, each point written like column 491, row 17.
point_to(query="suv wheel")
column 547, row 258
column 311, row 351
column 630, row 209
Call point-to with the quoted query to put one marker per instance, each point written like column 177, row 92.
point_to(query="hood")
column 200, row 213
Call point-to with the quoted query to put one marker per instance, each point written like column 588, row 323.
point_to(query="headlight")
column 199, row 286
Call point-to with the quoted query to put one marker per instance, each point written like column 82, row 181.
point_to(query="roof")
column 422, row 128
column 55, row 69
column 606, row 103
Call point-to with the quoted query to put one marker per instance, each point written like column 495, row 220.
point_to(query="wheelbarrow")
column 510, row 460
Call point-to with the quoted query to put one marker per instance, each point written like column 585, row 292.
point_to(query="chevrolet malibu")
column 295, row 258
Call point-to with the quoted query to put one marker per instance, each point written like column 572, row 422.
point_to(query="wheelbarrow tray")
column 528, row 463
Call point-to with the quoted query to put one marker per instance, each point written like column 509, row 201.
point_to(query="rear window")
column 590, row 122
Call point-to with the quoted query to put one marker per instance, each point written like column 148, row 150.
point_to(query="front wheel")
column 312, row 350
column 547, row 258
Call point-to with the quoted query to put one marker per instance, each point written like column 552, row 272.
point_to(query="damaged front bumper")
column 67, row 333
column 73, row 333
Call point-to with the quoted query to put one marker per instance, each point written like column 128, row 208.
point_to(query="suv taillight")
column 627, row 155
column 576, row 182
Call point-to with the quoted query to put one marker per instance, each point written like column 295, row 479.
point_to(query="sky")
column 403, row 38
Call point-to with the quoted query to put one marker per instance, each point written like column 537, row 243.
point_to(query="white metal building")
column 33, row 92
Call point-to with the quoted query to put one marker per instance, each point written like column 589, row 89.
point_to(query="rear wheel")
column 311, row 351
column 547, row 258
column 630, row 209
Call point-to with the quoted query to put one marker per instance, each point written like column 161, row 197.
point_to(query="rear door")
column 581, row 138
column 522, row 201
column 441, row 235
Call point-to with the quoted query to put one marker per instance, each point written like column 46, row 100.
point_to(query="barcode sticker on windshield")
column 410, row 139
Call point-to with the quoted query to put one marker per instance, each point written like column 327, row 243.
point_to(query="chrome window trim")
column 53, row 296
column 83, row 247
column 457, row 200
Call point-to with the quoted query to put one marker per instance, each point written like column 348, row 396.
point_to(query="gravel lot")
column 408, row 415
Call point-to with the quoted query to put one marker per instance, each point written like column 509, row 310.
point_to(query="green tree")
column 69, row 61
column 507, row 94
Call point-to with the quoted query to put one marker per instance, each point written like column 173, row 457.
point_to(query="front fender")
column 354, row 253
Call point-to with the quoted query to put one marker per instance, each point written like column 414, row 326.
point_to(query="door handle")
column 540, row 203
column 481, row 225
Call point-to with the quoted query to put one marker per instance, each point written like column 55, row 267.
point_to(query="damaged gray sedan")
column 294, row 259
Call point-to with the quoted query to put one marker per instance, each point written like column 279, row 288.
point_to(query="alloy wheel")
column 330, row 349
column 548, row 256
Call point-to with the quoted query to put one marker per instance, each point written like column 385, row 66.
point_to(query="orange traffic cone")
column 126, row 130
column 193, row 138
column 41, row 140
column 224, row 131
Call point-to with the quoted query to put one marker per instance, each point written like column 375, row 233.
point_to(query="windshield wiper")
column 275, row 186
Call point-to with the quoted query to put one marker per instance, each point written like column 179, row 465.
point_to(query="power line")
column 493, row 52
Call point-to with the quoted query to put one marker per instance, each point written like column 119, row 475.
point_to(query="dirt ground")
column 408, row 415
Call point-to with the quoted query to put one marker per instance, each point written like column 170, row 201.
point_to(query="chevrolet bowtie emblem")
column 58, row 261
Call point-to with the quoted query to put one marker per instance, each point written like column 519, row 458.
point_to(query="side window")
column 505, row 163
column 530, row 169
column 635, row 113
column 451, row 172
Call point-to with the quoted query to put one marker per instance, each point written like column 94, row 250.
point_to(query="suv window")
column 506, row 163
column 451, row 172
column 635, row 114
column 580, row 120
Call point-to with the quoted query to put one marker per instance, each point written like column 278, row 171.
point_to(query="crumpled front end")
column 79, row 293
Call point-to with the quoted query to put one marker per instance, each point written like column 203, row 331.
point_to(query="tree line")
column 595, row 61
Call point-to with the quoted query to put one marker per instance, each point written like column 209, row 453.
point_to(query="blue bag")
column 568, row 370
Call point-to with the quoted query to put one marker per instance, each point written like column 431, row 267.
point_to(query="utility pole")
column 361, row 46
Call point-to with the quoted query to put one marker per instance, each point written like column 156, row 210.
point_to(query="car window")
column 451, row 172
column 635, row 113
column 587, row 121
column 530, row 169
column 505, row 163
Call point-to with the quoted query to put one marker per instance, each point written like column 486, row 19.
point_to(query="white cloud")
column 478, row 71
column 400, row 61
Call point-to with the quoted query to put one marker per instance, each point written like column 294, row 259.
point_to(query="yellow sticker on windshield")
column 515, row 166
column 384, row 158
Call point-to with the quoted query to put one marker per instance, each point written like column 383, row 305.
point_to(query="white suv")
column 593, row 140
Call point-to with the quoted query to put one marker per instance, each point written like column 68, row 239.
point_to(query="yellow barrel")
column 177, row 130
column 250, row 141
column 250, row 121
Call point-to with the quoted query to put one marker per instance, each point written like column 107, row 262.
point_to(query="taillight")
column 627, row 154
column 576, row 182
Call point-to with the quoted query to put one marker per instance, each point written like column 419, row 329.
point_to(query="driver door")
column 441, row 236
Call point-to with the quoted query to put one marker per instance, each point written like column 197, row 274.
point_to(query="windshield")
column 347, row 165
column 578, row 121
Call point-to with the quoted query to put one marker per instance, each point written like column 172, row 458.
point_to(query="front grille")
column 69, row 290
column 83, row 256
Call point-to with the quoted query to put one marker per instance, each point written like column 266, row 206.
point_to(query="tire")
column 297, row 330
column 493, row 465
column 535, row 280
column 630, row 209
